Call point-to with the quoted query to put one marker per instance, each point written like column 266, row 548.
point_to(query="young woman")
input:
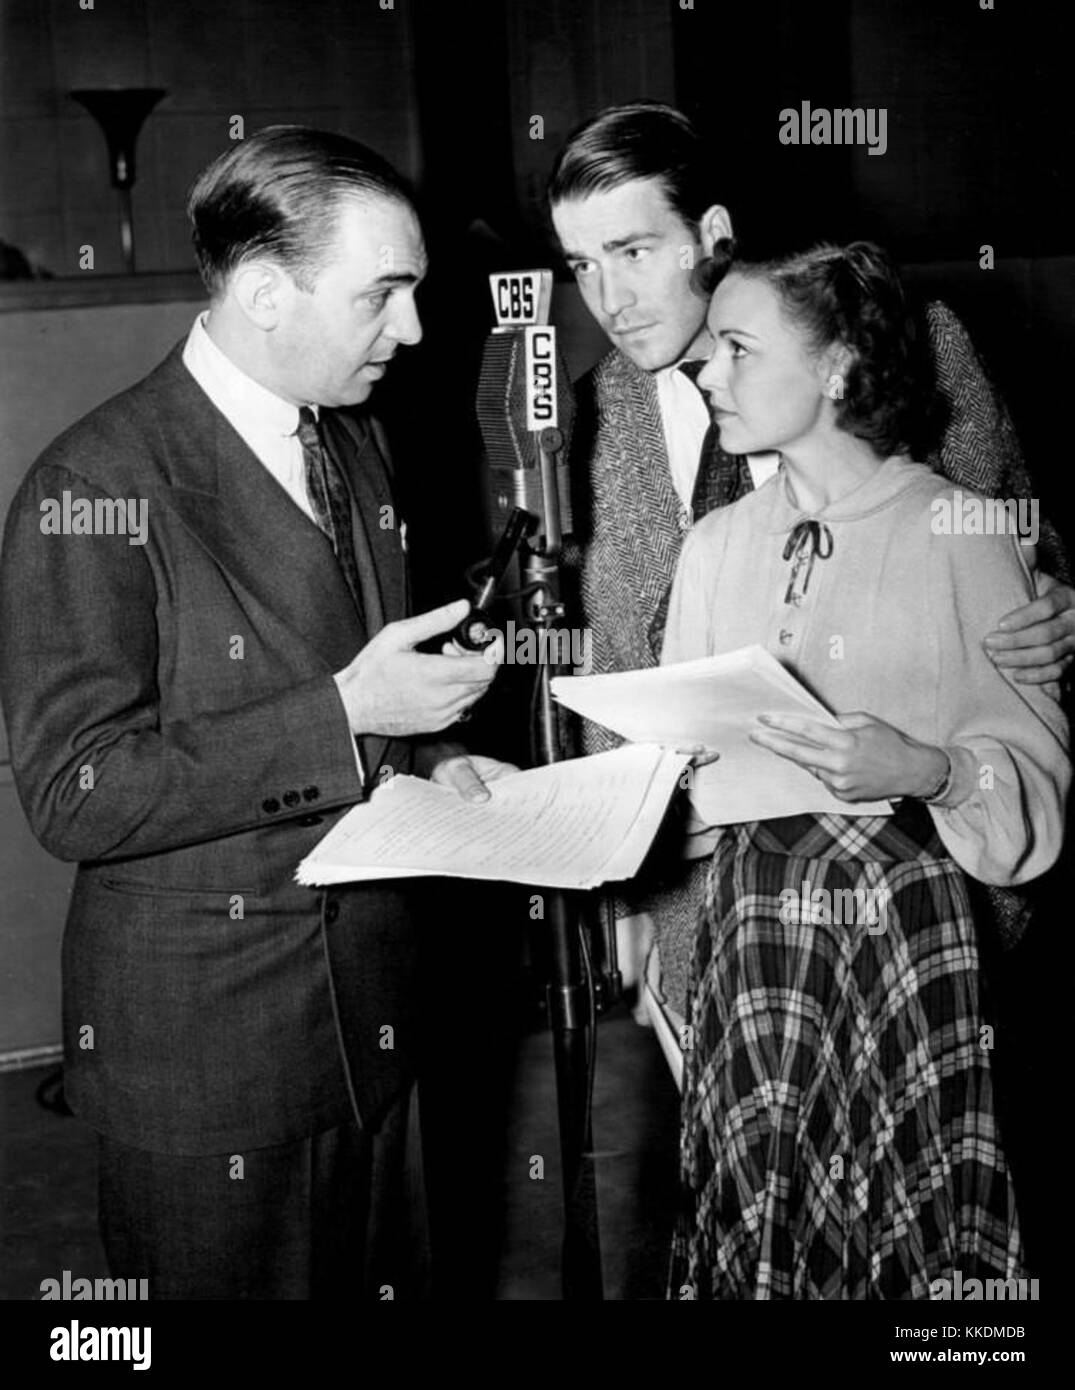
column 839, row 1138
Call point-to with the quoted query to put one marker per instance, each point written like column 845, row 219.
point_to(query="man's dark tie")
column 721, row 479
column 329, row 498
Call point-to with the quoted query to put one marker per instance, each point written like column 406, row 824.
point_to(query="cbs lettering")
column 515, row 298
column 541, row 377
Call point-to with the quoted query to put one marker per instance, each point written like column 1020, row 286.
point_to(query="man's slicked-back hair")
column 279, row 194
column 638, row 140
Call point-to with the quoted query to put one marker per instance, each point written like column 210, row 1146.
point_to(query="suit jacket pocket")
column 144, row 888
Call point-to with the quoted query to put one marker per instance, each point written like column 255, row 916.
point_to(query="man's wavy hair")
column 637, row 140
column 853, row 295
column 279, row 194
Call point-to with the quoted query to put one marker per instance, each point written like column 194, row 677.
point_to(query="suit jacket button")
column 310, row 793
column 332, row 911
column 291, row 798
column 271, row 805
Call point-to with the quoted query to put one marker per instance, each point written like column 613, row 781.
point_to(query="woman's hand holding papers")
column 864, row 759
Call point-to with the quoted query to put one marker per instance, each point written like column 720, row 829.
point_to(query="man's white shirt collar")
column 264, row 421
column 249, row 406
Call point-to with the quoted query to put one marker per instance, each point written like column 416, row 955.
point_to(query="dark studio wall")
column 326, row 62
column 979, row 137
column 979, row 122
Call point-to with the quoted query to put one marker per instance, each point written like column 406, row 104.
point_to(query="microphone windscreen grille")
column 512, row 451
column 501, row 402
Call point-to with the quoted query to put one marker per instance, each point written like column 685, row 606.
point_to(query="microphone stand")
column 572, row 1017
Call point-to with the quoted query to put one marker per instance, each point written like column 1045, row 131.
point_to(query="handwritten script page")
column 575, row 824
column 714, row 702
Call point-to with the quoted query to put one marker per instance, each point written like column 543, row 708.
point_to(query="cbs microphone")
column 526, row 409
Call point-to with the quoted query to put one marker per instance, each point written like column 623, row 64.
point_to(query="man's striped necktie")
column 330, row 498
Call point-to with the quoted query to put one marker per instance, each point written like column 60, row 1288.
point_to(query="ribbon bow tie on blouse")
column 808, row 540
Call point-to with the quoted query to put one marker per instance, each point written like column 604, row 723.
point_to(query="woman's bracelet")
column 944, row 786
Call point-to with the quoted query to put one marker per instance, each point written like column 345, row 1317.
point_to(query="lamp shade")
column 120, row 112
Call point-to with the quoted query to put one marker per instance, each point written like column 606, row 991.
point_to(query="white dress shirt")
column 685, row 417
column 266, row 422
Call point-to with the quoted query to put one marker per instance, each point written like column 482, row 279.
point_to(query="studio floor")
column 489, row 1110
column 498, row 1239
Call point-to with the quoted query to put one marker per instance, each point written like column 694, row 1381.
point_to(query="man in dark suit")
column 207, row 659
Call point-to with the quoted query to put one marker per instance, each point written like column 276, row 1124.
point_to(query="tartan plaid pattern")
column 813, row 1043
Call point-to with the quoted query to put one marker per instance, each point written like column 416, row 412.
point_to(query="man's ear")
column 260, row 289
column 714, row 225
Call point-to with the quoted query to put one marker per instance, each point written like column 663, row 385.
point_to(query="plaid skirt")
column 838, row 1138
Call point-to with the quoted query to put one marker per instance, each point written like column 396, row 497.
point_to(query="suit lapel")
column 249, row 525
column 376, row 529
column 246, row 521
column 378, row 549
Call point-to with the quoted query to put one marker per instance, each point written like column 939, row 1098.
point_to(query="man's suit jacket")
column 176, row 729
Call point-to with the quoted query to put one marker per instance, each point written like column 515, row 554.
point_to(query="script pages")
column 714, row 703
column 575, row 824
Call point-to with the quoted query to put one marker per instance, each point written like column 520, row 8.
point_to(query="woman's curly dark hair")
column 853, row 295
